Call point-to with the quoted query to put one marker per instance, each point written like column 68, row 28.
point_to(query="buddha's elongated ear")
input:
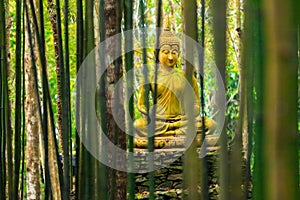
column 179, row 52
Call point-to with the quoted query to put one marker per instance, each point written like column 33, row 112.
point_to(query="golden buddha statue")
column 170, row 115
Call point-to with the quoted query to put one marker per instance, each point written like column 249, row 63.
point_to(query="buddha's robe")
column 171, row 116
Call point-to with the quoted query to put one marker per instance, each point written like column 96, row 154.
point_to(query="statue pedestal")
column 168, row 179
column 174, row 141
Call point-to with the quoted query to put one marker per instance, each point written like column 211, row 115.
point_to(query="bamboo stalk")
column 18, row 105
column 7, row 109
column 237, row 147
column 103, row 170
column 89, row 44
column 2, row 182
column 258, row 57
column 83, row 151
column 23, row 107
column 154, row 94
column 191, row 159
column 52, row 15
column 62, row 66
column 144, row 52
column 4, row 97
column 41, row 44
column 204, row 169
column 128, row 13
column 79, row 56
column 219, row 27
column 249, row 60
column 280, row 100
column 65, row 107
column 66, row 111
column 145, row 65
column 6, row 126
column 120, row 137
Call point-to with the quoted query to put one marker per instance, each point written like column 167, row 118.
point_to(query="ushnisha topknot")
column 167, row 36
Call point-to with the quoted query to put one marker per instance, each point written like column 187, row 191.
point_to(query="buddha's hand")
column 143, row 110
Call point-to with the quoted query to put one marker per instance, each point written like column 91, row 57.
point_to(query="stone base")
column 168, row 179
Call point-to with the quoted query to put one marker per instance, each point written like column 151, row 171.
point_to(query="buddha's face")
column 168, row 55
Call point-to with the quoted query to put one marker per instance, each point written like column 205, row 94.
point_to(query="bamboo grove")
column 43, row 44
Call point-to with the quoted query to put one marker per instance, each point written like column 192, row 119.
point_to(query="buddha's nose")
column 170, row 57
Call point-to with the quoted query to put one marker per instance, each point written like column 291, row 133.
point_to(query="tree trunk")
column 52, row 16
column 52, row 160
column 53, row 166
column 117, row 179
column 32, row 118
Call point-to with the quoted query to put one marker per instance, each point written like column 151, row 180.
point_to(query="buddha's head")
column 168, row 46
column 168, row 55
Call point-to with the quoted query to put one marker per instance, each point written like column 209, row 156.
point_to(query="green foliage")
column 50, row 55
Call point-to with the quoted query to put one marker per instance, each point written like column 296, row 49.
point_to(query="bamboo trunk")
column 33, row 117
column 191, row 178
column 18, row 111
column 220, row 47
column 280, row 102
